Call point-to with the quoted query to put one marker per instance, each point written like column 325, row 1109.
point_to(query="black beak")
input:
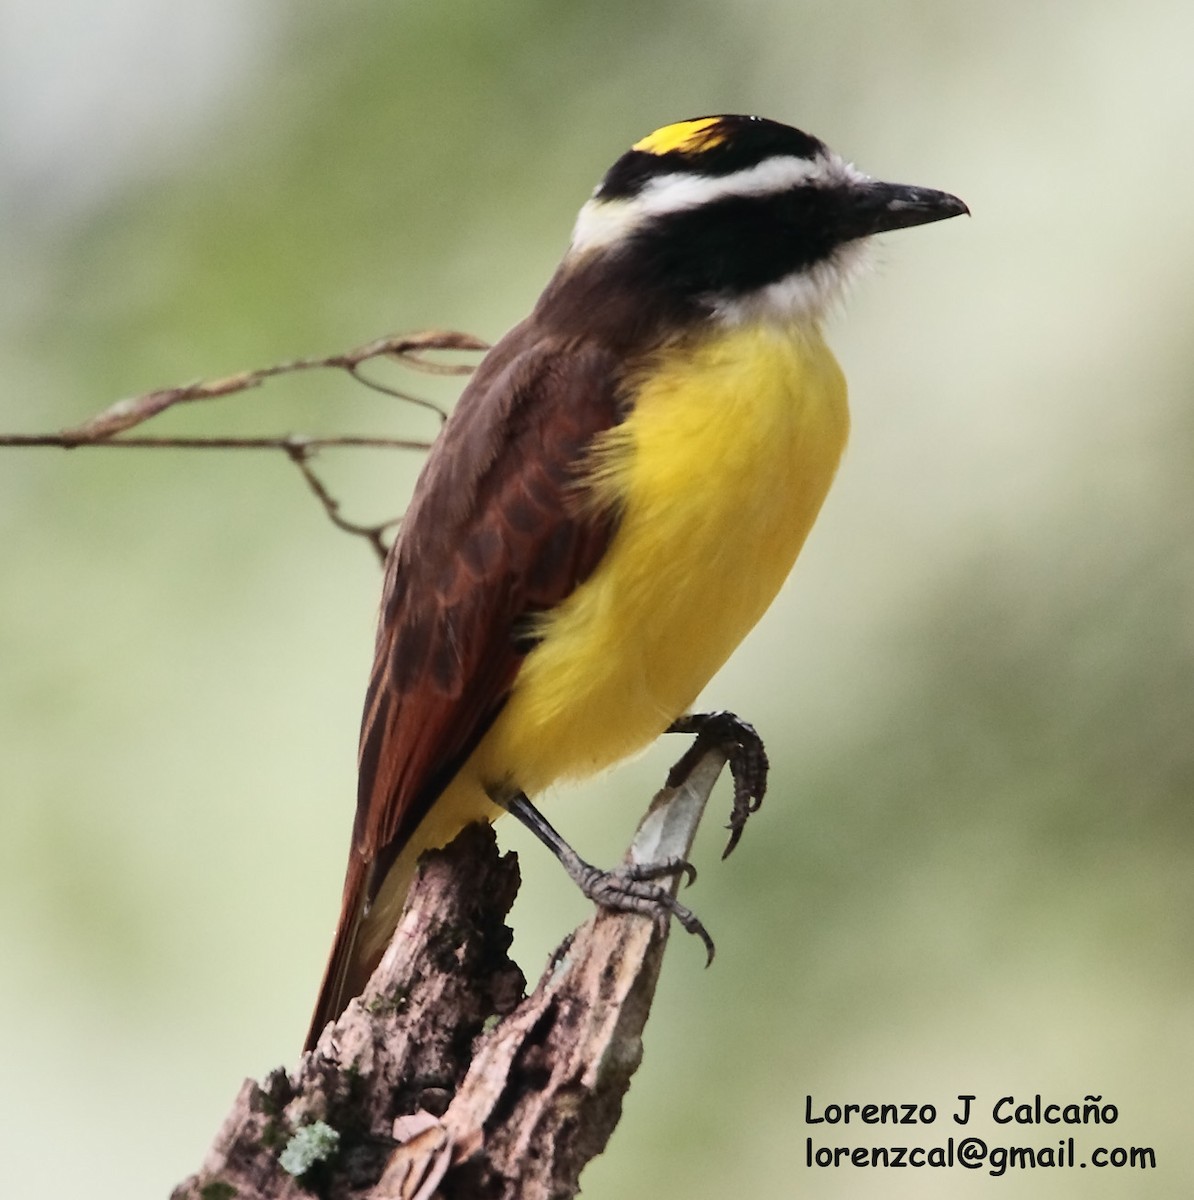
column 869, row 207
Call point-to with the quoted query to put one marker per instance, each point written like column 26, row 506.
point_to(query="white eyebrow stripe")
column 672, row 193
column 605, row 222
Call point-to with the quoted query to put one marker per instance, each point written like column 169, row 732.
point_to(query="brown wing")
column 493, row 535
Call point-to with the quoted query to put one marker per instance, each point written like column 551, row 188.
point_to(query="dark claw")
column 629, row 889
column 692, row 924
column 744, row 752
column 661, row 870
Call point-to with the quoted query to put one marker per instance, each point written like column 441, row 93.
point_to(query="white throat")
column 804, row 297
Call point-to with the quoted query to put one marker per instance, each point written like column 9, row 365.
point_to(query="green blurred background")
column 972, row 874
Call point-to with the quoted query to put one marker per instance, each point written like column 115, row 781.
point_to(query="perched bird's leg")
column 628, row 888
column 744, row 752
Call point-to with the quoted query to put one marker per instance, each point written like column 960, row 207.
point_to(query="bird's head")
column 742, row 218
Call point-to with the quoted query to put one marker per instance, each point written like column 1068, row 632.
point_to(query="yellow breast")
column 719, row 472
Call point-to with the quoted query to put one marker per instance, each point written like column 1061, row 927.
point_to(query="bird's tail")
column 363, row 933
column 367, row 923
column 345, row 975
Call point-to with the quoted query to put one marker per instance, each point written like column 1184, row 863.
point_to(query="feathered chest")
column 722, row 465
column 717, row 475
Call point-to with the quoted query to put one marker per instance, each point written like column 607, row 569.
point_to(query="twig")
column 285, row 441
column 407, row 1097
column 407, row 349
column 300, row 455
column 107, row 427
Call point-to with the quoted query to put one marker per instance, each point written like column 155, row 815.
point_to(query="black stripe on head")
column 728, row 144
column 738, row 244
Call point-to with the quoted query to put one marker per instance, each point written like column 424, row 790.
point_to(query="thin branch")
column 300, row 455
column 410, row 350
column 285, row 441
column 407, row 349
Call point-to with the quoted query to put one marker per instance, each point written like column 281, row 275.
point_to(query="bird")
column 620, row 491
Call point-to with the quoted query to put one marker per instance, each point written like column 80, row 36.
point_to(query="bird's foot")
column 744, row 752
column 628, row 888
column 632, row 888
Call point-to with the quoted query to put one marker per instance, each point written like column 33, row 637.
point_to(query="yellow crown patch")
column 683, row 135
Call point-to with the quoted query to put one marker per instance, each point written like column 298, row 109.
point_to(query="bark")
column 441, row 1079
